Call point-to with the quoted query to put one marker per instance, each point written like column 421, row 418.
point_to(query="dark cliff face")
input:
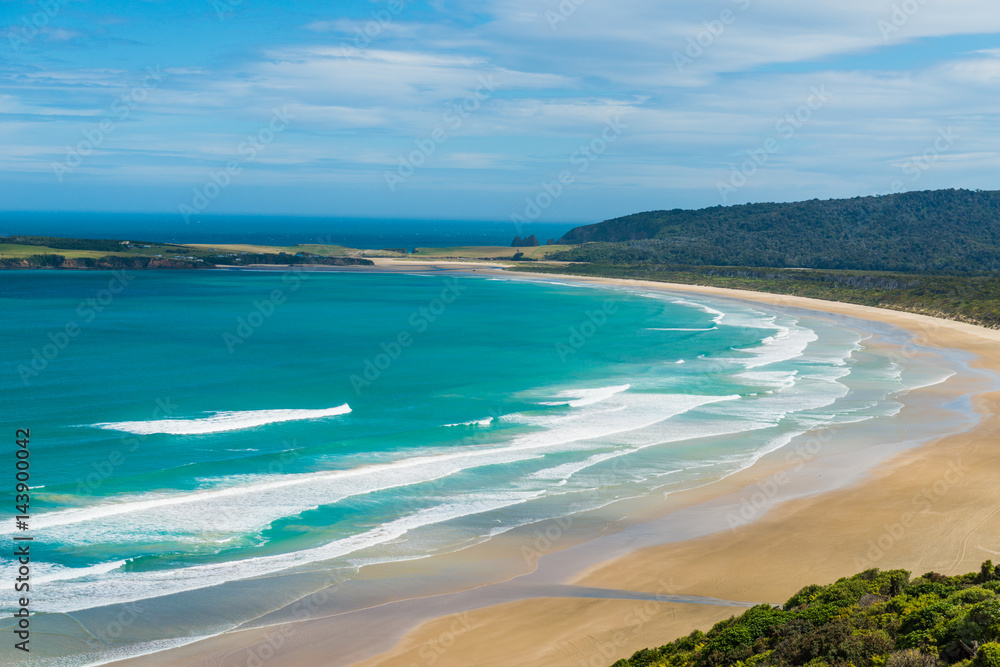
column 529, row 242
column 55, row 261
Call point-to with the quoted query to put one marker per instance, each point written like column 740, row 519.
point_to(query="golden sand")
column 936, row 507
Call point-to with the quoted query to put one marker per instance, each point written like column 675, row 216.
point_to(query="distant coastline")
column 973, row 297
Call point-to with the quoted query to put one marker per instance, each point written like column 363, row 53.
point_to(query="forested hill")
column 873, row 619
column 942, row 230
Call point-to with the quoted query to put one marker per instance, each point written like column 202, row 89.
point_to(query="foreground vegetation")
column 972, row 299
column 949, row 231
column 873, row 619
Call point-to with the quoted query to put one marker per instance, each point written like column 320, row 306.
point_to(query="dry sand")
column 933, row 508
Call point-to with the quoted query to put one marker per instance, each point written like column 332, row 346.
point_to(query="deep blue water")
column 277, row 230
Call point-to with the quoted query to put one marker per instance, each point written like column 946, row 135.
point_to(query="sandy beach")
column 935, row 507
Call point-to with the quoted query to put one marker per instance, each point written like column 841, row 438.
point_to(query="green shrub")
column 912, row 658
column 988, row 656
column 804, row 596
column 933, row 621
column 972, row 595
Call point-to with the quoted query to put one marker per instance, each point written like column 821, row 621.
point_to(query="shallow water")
column 212, row 427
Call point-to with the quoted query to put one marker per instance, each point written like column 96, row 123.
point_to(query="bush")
column 804, row 596
column 912, row 658
column 932, row 622
column 972, row 595
column 988, row 656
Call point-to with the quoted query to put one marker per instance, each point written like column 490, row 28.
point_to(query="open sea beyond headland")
column 206, row 429
column 278, row 230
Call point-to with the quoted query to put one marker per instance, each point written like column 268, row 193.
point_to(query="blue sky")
column 547, row 110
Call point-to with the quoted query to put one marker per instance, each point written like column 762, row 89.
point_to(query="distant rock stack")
column 550, row 242
column 529, row 242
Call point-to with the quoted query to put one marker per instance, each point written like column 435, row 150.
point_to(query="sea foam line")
column 220, row 422
column 120, row 587
column 653, row 408
column 679, row 329
column 578, row 398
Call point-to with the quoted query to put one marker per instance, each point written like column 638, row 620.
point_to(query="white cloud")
column 357, row 110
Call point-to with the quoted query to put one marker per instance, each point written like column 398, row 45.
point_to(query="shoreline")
column 483, row 627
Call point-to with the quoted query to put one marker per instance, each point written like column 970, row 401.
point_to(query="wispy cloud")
column 745, row 65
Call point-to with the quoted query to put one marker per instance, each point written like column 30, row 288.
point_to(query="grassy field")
column 487, row 252
column 324, row 250
column 13, row 251
column 206, row 250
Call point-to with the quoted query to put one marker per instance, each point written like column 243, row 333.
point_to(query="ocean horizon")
column 266, row 229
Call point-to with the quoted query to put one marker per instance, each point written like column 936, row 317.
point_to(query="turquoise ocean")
column 195, row 431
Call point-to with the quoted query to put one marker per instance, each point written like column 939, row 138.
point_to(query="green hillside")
column 944, row 231
column 873, row 619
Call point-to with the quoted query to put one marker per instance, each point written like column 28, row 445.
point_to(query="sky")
column 523, row 110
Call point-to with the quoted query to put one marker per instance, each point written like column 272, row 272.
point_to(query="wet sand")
column 933, row 507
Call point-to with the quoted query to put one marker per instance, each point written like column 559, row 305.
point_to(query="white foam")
column 475, row 422
column 775, row 379
column 940, row 379
column 248, row 504
column 679, row 329
column 563, row 472
column 788, row 344
column 578, row 398
column 59, row 573
column 718, row 315
column 120, row 586
column 220, row 422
